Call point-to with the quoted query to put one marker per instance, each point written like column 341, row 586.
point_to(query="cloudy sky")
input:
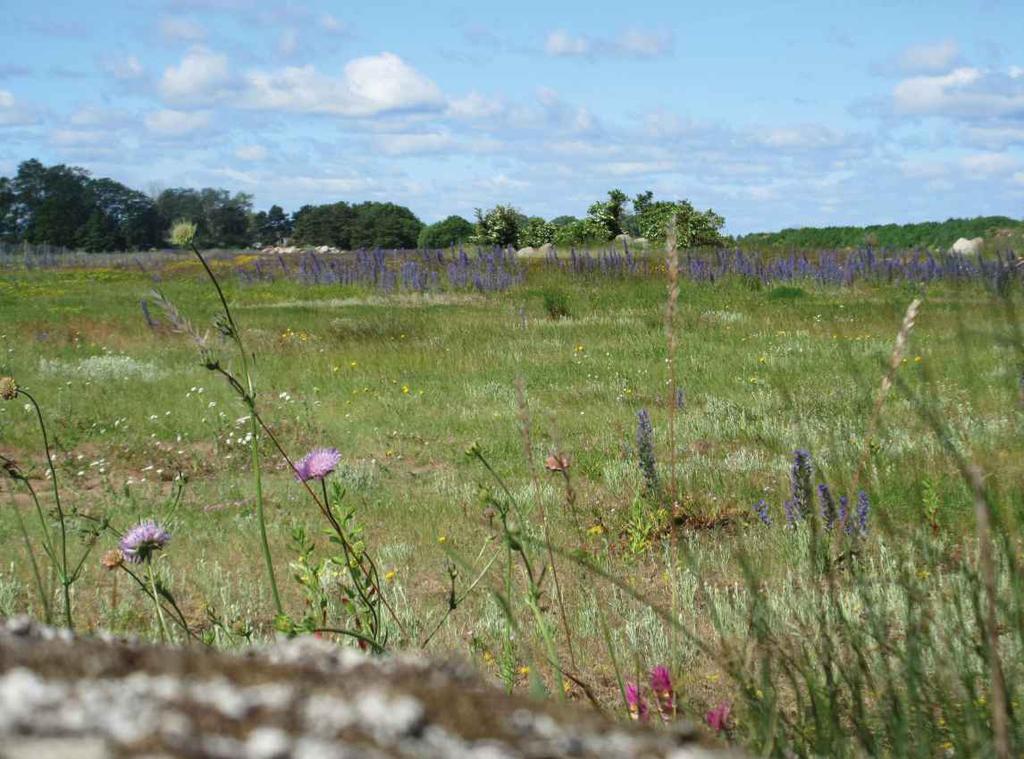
column 860, row 112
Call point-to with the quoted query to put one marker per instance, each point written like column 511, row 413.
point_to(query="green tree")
column 535, row 232
column 581, row 232
column 499, row 226
column 610, row 213
column 441, row 234
column 694, row 228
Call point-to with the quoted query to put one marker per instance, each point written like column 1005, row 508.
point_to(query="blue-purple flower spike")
column 828, row 506
column 803, row 494
column 863, row 508
column 761, row 507
column 645, row 448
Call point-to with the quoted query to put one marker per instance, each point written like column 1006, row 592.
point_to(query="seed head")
column 112, row 559
column 8, row 388
column 183, row 233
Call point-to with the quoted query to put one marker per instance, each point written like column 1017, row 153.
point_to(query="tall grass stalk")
column 230, row 330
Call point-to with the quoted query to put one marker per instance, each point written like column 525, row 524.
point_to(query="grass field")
column 403, row 383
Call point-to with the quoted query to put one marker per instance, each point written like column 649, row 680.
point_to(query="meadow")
column 569, row 552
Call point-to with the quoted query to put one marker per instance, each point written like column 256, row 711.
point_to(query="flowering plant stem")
column 66, row 578
column 249, row 397
column 164, row 633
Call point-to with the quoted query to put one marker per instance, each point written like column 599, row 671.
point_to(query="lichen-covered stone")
column 62, row 696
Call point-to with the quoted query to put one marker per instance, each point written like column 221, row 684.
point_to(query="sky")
column 774, row 114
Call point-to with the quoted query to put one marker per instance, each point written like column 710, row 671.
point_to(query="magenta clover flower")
column 718, row 718
column 139, row 543
column 637, row 703
column 317, row 464
column 661, row 684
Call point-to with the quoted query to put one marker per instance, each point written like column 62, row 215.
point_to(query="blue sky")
column 774, row 114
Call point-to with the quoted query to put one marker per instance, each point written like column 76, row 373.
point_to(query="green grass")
column 403, row 384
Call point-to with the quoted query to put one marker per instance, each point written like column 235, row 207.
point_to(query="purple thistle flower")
column 317, row 464
column 138, row 544
column 761, row 508
column 863, row 507
column 801, row 483
column 637, row 703
column 828, row 506
column 661, row 684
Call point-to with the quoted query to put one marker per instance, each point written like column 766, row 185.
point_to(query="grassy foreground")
column 777, row 620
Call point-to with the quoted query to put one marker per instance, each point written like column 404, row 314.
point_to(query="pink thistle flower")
column 661, row 684
column 317, row 464
column 139, row 543
column 637, row 703
column 718, row 718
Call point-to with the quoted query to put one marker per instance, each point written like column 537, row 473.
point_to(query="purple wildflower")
column 761, row 508
column 801, row 483
column 828, row 506
column 680, row 399
column 661, row 684
column 140, row 541
column 317, row 464
column 645, row 449
column 863, row 507
column 718, row 718
column 791, row 516
column 637, row 703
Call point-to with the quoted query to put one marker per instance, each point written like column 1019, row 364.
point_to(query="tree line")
column 930, row 234
column 66, row 206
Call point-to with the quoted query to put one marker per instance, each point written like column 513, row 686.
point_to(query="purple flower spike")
column 637, row 703
column 317, row 464
column 140, row 541
column 761, row 509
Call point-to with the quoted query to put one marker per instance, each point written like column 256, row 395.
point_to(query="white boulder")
column 965, row 246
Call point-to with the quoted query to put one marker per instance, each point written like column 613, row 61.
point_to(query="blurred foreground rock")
column 62, row 696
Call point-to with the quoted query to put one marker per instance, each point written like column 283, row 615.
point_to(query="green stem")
column 250, row 400
column 63, row 569
column 35, row 566
column 164, row 633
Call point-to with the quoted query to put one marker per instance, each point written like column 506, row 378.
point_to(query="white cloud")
column 368, row 86
column 125, row 68
column 803, row 137
column 180, row 29
column 201, row 78
column 643, row 44
column 13, row 113
column 629, row 43
column 78, row 137
column 333, row 24
column 171, row 123
column 994, row 136
column 560, row 43
column 474, row 106
column 983, row 165
column 965, row 92
column 411, row 144
column 929, row 58
column 251, row 152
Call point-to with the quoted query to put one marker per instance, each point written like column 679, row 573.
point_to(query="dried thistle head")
column 8, row 388
column 112, row 559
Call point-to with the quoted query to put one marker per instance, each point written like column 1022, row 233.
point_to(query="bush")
column 450, row 231
column 556, row 303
